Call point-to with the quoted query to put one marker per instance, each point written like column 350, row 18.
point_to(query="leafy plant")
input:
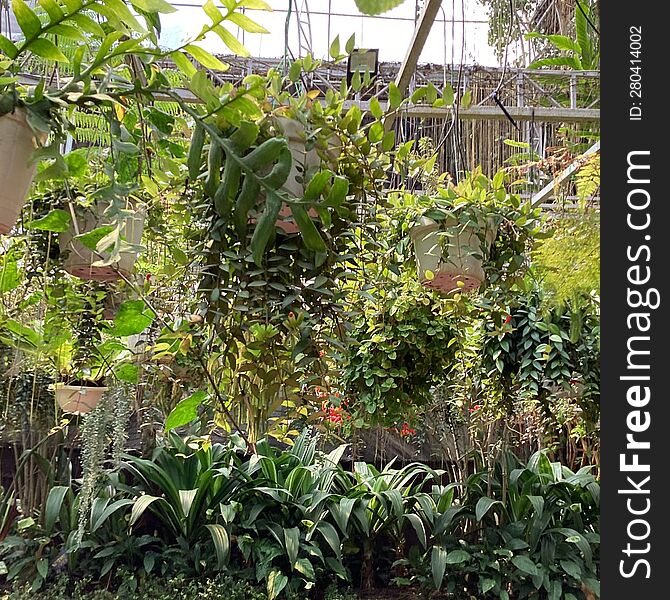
column 399, row 349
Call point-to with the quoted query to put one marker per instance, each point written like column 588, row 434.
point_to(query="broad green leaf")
column 133, row 318
column 448, row 94
column 351, row 43
column 53, row 506
column 141, row 504
column 91, row 238
column 484, row 504
column 24, row 337
column 26, row 18
column 246, row 23
column 202, row 87
column 67, row 31
column 10, row 274
column 127, row 372
column 466, row 99
column 255, row 5
column 221, row 541
column 52, row 8
column 457, row 556
column 524, row 564
column 377, row 7
column 109, row 510
column 7, row 47
column 185, row 411
column 292, row 540
column 304, row 567
column 153, row 6
column 376, row 108
column 57, row 220
column 334, row 49
column 212, row 12
column 87, row 25
column 395, row 97
column 276, row 583
column 183, row 64
column 438, row 563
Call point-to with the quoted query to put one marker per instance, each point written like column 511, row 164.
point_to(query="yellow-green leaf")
column 46, row 49
column 231, row 41
column 26, row 18
column 206, row 59
column 246, row 23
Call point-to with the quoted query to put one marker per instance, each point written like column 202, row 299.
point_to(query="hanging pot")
column 78, row 399
column 459, row 269
column 17, row 142
column 303, row 161
column 80, row 260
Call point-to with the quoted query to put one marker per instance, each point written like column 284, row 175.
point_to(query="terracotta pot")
column 78, row 399
column 17, row 142
column 80, row 259
column 459, row 270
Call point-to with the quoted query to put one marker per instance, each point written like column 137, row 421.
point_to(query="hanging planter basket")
column 448, row 262
column 78, row 399
column 81, row 261
column 303, row 161
column 17, row 142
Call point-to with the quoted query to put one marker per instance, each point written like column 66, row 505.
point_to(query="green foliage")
column 294, row 520
column 583, row 53
column 376, row 7
column 515, row 530
column 568, row 263
column 398, row 351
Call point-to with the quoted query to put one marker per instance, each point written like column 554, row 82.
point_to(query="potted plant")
column 468, row 230
column 103, row 240
column 35, row 112
column 17, row 143
column 109, row 50
column 305, row 159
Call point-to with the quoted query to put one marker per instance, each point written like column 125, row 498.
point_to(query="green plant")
column 378, row 507
column 505, row 227
column 540, row 520
column 583, row 52
column 188, row 486
column 398, row 350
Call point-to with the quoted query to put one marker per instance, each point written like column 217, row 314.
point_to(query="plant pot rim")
column 67, row 386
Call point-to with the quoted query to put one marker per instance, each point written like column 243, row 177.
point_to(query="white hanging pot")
column 303, row 161
column 17, row 142
column 80, row 260
column 445, row 261
column 77, row 399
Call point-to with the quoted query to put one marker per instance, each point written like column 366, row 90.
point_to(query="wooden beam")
column 408, row 67
column 548, row 189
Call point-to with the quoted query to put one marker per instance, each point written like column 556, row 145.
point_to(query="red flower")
column 148, row 277
column 406, row 430
column 334, row 415
column 508, row 318
column 475, row 408
column 322, row 353
column 291, row 315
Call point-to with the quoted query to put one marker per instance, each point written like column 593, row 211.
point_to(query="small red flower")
column 291, row 315
column 508, row 318
column 148, row 277
column 475, row 408
column 406, row 430
column 322, row 353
